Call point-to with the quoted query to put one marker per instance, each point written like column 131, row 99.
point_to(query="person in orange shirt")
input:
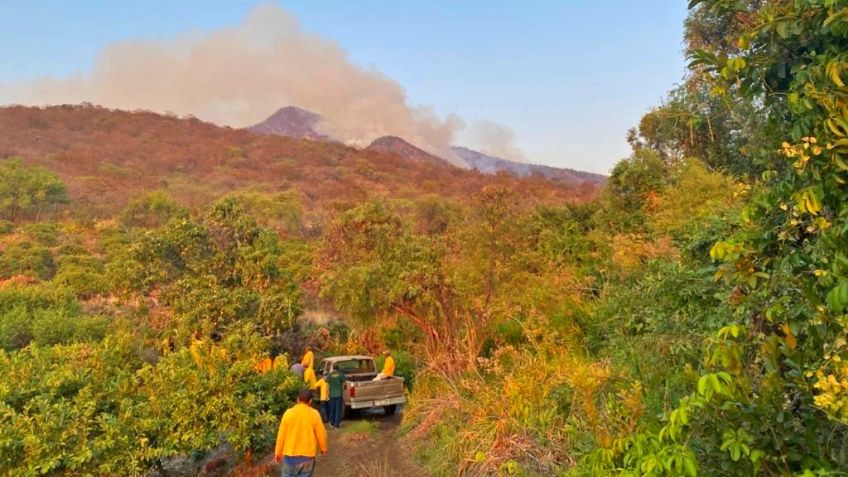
column 300, row 437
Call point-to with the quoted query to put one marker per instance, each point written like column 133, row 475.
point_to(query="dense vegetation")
column 689, row 320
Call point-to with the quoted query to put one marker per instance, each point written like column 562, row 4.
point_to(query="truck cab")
column 360, row 391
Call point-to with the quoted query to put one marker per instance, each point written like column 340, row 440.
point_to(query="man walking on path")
column 300, row 437
column 335, row 383
column 297, row 369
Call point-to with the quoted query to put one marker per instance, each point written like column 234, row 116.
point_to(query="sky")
column 567, row 77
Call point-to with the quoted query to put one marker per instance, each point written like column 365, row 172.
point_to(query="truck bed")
column 385, row 392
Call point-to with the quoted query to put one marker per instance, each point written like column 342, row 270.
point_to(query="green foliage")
column 44, row 315
column 732, row 136
column 46, row 234
column 670, row 308
column 152, row 210
column 213, row 273
column 81, row 273
column 631, row 185
column 282, row 211
column 101, row 410
column 26, row 258
column 693, row 194
column 769, row 401
column 28, row 190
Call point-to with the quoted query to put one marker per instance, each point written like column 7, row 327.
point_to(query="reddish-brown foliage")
column 107, row 157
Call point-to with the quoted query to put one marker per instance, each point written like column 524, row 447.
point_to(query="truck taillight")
column 353, row 391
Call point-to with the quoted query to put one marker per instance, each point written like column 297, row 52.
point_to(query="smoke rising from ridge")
column 240, row 75
column 495, row 140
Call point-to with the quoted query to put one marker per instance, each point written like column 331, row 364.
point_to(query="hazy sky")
column 569, row 77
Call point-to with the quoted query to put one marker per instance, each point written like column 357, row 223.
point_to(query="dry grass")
column 505, row 413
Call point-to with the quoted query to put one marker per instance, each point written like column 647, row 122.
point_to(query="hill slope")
column 108, row 157
column 399, row 147
column 299, row 123
column 291, row 121
column 493, row 165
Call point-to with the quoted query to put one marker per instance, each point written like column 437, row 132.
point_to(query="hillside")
column 291, row 121
column 493, row 165
column 396, row 146
column 295, row 122
column 106, row 157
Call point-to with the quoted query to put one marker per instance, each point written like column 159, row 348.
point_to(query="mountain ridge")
column 109, row 157
column 401, row 147
column 292, row 121
column 487, row 164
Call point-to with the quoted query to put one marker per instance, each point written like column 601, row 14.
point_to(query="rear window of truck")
column 355, row 366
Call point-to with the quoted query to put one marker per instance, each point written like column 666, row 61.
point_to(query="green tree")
column 770, row 400
column 28, row 190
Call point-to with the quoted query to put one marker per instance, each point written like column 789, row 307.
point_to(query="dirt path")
column 365, row 446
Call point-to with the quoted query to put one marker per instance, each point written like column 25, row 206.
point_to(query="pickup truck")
column 360, row 392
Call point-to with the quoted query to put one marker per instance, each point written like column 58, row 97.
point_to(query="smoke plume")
column 238, row 76
column 495, row 140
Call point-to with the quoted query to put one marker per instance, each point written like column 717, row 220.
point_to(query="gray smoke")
column 495, row 140
column 238, row 76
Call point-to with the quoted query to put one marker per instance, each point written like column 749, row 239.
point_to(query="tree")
column 771, row 400
column 27, row 190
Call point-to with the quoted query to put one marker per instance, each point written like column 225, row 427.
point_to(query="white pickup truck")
column 360, row 392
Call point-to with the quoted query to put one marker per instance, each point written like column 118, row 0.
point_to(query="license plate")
column 383, row 402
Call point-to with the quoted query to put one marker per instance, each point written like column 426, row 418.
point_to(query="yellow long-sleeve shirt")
column 308, row 360
column 309, row 376
column 324, row 389
column 389, row 367
column 301, row 433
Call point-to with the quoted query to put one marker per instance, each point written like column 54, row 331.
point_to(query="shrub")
column 82, row 274
column 46, row 234
column 44, row 315
column 28, row 190
column 152, row 210
column 25, row 258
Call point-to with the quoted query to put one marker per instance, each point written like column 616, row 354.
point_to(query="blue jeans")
column 325, row 410
column 336, row 407
column 299, row 470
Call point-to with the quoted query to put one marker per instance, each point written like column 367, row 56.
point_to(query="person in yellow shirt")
column 308, row 360
column 309, row 376
column 323, row 397
column 388, row 367
column 272, row 361
column 300, row 437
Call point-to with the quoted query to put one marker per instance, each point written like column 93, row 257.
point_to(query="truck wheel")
column 390, row 410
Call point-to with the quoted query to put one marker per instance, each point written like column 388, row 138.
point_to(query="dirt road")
column 366, row 446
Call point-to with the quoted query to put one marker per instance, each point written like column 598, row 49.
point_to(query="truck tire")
column 390, row 410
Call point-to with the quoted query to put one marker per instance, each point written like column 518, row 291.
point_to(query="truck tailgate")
column 374, row 393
